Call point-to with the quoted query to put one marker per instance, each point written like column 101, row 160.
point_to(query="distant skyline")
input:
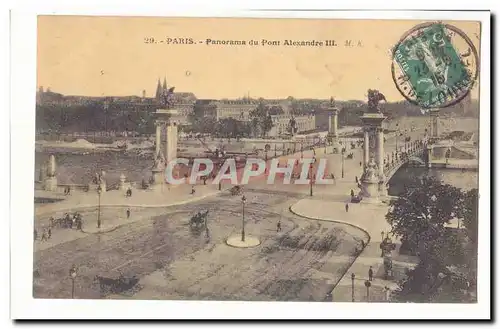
column 107, row 56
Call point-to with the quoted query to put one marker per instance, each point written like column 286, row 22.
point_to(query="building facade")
column 282, row 124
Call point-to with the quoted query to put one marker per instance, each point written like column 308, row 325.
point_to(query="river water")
column 75, row 168
column 81, row 168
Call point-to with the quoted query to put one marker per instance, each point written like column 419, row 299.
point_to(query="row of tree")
column 260, row 123
column 447, row 256
column 95, row 117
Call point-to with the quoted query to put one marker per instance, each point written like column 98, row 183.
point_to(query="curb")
column 332, row 221
column 105, row 231
column 356, row 256
column 81, row 207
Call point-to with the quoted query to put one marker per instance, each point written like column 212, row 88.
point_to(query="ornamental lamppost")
column 243, row 201
column 367, row 285
column 311, row 176
column 397, row 135
column 72, row 274
column 99, row 191
column 353, row 276
column 342, row 155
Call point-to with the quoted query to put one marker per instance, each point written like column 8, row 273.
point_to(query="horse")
column 110, row 285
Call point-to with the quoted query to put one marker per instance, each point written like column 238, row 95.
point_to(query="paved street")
column 302, row 262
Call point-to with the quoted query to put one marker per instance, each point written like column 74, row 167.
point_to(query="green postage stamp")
column 436, row 65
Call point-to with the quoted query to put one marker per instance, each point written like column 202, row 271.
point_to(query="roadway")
column 303, row 262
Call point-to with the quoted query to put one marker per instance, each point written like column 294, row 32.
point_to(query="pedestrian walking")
column 387, row 293
column 44, row 236
column 370, row 274
column 361, row 164
column 278, row 226
column 346, row 207
column 128, row 213
column 352, row 193
column 69, row 190
column 192, row 190
column 49, row 233
column 357, row 181
column 36, row 234
column 51, row 222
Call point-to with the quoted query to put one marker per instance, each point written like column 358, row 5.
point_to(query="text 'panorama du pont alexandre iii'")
column 254, row 42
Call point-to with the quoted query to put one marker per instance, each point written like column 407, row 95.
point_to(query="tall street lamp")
column 72, row 274
column 367, row 285
column 353, row 276
column 342, row 154
column 99, row 191
column 243, row 201
column 311, row 176
column 397, row 135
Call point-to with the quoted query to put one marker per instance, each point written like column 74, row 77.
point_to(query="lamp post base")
column 250, row 241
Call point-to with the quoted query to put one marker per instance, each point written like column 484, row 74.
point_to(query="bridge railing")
column 403, row 157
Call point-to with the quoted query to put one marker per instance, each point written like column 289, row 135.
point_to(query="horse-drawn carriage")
column 75, row 221
column 115, row 286
column 198, row 219
column 236, row 190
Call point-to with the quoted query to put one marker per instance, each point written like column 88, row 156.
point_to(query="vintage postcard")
column 252, row 159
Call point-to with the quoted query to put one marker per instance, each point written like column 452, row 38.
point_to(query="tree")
column 446, row 267
column 260, row 119
column 469, row 213
column 419, row 215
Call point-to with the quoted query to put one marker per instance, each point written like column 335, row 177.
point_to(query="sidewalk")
column 328, row 204
column 371, row 219
column 170, row 196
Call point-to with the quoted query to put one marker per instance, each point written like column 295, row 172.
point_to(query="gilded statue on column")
column 374, row 97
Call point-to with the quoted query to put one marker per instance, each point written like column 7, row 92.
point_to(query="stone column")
column 366, row 148
column 50, row 183
column 333, row 122
column 429, row 156
column 380, row 159
column 380, row 150
column 158, row 124
column 171, row 143
column 434, row 113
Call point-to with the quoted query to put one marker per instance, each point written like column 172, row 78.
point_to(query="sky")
column 97, row 56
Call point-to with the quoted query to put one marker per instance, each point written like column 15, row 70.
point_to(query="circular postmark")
column 434, row 65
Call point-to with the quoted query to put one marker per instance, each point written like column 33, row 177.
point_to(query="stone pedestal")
column 332, row 136
column 171, row 132
column 50, row 184
column 158, row 179
column 373, row 145
column 123, row 184
column 373, row 179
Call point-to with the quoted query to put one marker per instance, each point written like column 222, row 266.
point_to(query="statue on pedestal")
column 371, row 172
column 159, row 164
column 374, row 97
column 332, row 102
column 168, row 98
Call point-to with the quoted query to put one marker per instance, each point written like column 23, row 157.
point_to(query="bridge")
column 416, row 152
